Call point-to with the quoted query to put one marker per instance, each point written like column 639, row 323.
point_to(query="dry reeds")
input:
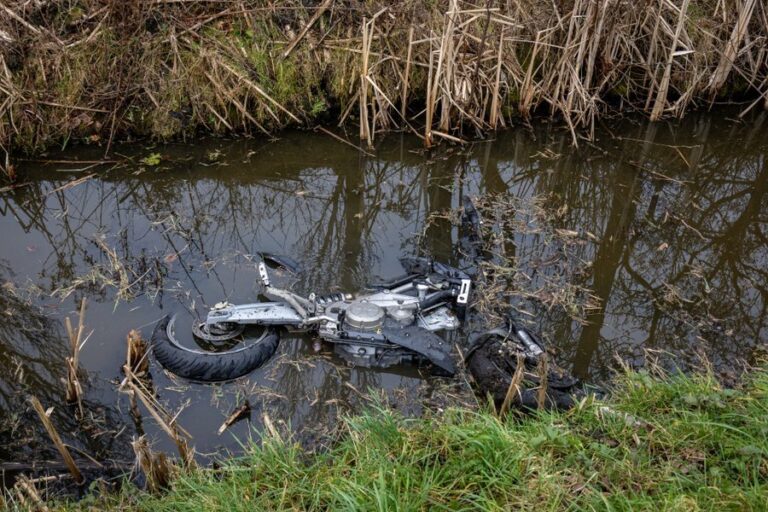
column 136, row 358
column 27, row 495
column 513, row 391
column 132, row 385
column 451, row 70
column 543, row 373
column 158, row 470
column 54, row 435
column 74, row 390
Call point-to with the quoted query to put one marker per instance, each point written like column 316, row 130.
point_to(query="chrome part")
column 217, row 332
column 290, row 298
column 265, row 313
column 328, row 330
column 440, row 319
column 421, row 291
column 403, row 287
column 403, row 316
column 386, row 299
column 314, row 320
column 530, row 345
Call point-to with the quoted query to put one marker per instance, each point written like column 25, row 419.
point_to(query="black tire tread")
column 210, row 366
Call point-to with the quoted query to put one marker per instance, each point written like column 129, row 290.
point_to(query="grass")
column 660, row 443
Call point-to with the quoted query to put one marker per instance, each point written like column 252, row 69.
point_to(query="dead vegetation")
column 528, row 265
column 137, row 354
column 241, row 413
column 56, row 439
column 448, row 69
column 157, row 468
column 138, row 389
column 74, row 390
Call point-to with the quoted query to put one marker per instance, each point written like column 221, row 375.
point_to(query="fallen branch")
column 343, row 141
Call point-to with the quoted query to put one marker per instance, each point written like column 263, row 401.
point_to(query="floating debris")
column 241, row 413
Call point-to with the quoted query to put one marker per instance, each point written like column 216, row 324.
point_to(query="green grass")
column 697, row 447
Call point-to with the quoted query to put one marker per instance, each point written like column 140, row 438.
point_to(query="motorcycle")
column 396, row 322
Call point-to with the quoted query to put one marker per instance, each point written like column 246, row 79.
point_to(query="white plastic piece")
column 463, row 297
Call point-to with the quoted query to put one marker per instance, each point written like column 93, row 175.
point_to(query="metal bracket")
column 263, row 273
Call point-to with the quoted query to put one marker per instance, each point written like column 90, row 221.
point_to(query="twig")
column 72, row 183
column 541, row 397
column 238, row 414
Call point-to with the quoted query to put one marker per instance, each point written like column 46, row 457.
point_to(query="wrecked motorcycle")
column 395, row 323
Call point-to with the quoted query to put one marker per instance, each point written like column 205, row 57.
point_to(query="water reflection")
column 678, row 214
column 31, row 355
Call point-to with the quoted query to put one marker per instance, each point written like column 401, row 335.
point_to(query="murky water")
column 678, row 218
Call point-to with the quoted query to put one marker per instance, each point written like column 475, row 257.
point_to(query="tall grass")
column 443, row 69
column 660, row 443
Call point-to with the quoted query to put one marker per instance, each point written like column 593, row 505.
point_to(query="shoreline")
column 445, row 71
column 660, row 441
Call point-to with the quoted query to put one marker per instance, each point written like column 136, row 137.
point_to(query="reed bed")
column 94, row 70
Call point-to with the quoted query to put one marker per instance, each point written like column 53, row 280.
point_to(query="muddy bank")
column 98, row 71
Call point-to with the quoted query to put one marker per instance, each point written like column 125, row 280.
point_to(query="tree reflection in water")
column 679, row 215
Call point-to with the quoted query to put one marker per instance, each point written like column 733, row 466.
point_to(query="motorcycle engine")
column 364, row 316
column 360, row 335
column 363, row 344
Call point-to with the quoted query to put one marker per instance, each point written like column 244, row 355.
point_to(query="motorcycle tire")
column 204, row 366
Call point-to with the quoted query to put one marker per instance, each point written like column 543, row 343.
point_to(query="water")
column 677, row 216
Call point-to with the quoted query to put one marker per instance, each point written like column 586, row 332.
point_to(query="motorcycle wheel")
column 207, row 366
